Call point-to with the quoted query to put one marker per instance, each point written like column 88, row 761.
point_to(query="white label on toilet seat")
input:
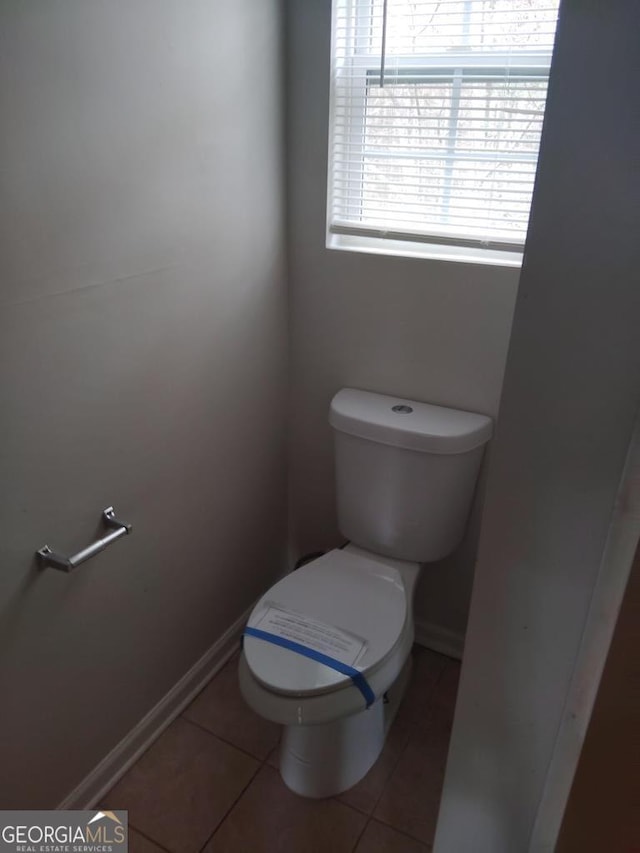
column 316, row 635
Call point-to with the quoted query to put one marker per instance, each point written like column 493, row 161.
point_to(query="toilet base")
column 326, row 759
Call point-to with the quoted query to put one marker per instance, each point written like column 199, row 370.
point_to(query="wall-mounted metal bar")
column 66, row 564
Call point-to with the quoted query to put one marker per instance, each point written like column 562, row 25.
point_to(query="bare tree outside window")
column 445, row 144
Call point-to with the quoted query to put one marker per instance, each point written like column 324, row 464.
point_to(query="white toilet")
column 326, row 651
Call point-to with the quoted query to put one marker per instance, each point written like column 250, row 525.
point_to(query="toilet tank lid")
column 407, row 423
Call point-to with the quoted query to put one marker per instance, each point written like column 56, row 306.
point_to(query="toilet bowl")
column 331, row 737
column 326, row 650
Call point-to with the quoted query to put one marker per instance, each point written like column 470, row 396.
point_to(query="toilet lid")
column 344, row 605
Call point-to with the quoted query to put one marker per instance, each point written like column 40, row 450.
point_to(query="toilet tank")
column 405, row 473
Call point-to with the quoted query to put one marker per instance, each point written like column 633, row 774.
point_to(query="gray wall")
column 566, row 419
column 422, row 329
column 142, row 358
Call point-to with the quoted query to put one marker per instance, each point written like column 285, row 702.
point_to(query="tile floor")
column 210, row 783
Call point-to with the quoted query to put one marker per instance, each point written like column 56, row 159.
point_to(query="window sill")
column 407, row 249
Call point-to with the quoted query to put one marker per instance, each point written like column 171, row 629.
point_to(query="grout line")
column 428, row 723
column 149, row 838
column 359, row 838
column 224, row 740
column 403, row 832
column 231, row 808
column 336, row 799
column 262, row 764
column 387, row 781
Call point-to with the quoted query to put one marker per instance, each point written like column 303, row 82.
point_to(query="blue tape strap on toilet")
column 357, row 677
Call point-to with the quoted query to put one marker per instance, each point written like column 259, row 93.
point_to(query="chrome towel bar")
column 67, row 564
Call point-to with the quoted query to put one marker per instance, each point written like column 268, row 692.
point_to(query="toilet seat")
column 363, row 598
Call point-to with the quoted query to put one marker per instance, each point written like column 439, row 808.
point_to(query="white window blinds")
column 436, row 114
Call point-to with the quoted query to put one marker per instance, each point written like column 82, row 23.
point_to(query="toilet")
column 327, row 650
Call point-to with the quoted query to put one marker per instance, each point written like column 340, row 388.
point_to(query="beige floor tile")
column 378, row 838
column 221, row 709
column 428, row 668
column 446, row 692
column 268, row 818
column 273, row 759
column 139, row 844
column 366, row 793
column 182, row 787
column 411, row 798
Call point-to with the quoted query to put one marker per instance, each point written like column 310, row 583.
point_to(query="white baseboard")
column 439, row 639
column 105, row 775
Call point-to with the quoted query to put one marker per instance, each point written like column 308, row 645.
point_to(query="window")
column 436, row 115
